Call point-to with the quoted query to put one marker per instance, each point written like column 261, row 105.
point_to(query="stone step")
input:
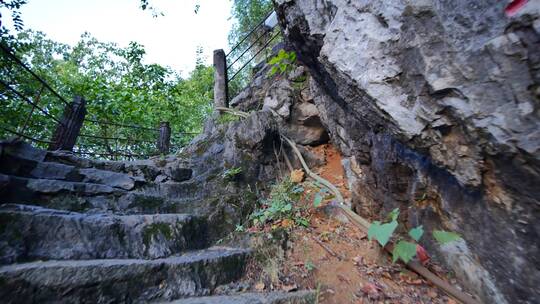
column 30, row 233
column 15, row 166
column 300, row 297
column 121, row 280
column 24, row 190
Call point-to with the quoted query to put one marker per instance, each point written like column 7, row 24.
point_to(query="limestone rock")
column 279, row 98
column 433, row 101
column 180, row 174
column 34, row 233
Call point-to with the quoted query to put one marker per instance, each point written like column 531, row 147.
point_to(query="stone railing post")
column 66, row 133
column 221, row 90
column 164, row 139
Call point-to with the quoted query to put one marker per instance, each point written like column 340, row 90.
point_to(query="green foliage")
column 382, row 232
column 231, row 173
column 444, row 237
column 225, row 118
column 394, row 214
column 404, row 250
column 317, row 200
column 301, row 221
column 282, row 63
column 14, row 7
column 320, row 194
column 240, row 228
column 309, row 266
column 416, row 233
column 247, row 14
column 117, row 85
column 281, row 204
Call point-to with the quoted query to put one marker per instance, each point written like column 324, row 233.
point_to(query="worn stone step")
column 31, row 233
column 20, row 165
column 300, row 297
column 121, row 280
column 29, row 190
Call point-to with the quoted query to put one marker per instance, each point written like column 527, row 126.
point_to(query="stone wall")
column 436, row 106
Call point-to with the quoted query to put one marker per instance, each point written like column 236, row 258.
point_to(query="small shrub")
column 280, row 204
column 282, row 63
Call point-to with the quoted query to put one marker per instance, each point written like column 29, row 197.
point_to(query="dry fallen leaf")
column 432, row 294
column 371, row 290
column 287, row 223
column 259, row 286
column 387, row 275
column 297, row 176
column 358, row 260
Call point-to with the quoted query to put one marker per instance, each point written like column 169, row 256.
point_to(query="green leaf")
column 393, row 215
column 444, row 237
column 293, row 57
column 416, row 233
column 382, row 232
column 302, row 221
column 274, row 60
column 404, row 250
column 318, row 200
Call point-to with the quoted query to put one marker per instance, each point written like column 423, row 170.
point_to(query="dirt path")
column 335, row 257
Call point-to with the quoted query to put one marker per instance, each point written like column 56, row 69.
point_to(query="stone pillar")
column 221, row 89
column 164, row 139
column 66, row 133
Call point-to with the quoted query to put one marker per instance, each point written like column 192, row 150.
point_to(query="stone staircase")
column 80, row 231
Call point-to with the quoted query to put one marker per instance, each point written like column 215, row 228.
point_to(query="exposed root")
column 362, row 223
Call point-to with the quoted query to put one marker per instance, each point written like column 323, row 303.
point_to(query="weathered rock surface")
column 121, row 280
column 33, row 233
column 75, row 230
column 302, row 297
column 435, row 104
column 288, row 96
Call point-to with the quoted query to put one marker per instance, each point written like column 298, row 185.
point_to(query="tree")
column 247, row 15
column 117, row 85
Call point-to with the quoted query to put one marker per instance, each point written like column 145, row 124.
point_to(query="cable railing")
column 253, row 48
column 32, row 110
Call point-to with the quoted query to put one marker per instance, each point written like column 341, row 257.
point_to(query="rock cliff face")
column 436, row 106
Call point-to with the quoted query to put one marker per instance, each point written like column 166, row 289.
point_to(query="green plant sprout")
column 405, row 250
column 231, row 173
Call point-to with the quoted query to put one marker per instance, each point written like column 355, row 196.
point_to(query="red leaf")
column 513, row 7
column 422, row 255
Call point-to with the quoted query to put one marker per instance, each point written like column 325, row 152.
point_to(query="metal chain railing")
column 137, row 142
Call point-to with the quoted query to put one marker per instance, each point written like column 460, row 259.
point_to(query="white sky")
column 169, row 40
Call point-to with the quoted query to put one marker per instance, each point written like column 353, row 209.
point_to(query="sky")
column 169, row 40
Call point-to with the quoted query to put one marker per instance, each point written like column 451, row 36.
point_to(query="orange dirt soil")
column 336, row 258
